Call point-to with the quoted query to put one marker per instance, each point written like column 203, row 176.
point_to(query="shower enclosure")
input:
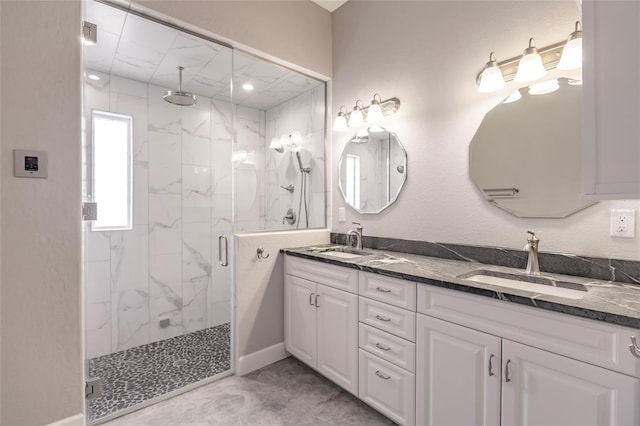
column 177, row 164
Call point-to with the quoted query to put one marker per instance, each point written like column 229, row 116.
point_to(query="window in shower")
column 112, row 170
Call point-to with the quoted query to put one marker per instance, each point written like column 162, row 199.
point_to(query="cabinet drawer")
column 387, row 388
column 397, row 351
column 591, row 341
column 399, row 322
column 396, row 292
column 334, row 276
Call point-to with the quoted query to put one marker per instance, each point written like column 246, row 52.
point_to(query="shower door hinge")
column 92, row 389
column 89, row 211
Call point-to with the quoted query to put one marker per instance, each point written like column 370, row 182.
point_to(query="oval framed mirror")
column 372, row 170
column 526, row 154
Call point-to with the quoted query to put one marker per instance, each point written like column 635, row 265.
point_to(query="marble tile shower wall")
column 304, row 113
column 162, row 268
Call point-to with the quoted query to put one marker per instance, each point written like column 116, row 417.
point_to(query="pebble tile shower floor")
column 145, row 372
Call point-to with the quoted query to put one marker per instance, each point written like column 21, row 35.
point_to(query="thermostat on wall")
column 32, row 164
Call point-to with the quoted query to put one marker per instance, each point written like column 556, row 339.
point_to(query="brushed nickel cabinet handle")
column 311, row 299
column 506, row 371
column 383, row 347
column 317, row 304
column 634, row 348
column 491, row 365
column 383, row 290
column 381, row 318
column 382, row 375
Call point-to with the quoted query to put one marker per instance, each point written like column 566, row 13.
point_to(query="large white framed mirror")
column 372, row 170
column 526, row 155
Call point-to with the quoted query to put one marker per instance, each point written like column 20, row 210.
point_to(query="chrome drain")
column 179, row 362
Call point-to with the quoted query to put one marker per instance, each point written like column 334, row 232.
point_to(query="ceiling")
column 330, row 5
column 139, row 49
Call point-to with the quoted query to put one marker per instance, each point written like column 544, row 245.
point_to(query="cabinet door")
column 457, row 375
column 300, row 319
column 541, row 388
column 337, row 330
column 611, row 99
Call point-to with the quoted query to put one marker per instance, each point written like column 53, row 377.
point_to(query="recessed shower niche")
column 167, row 178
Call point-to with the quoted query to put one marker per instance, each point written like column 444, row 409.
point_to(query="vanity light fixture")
column 287, row 141
column 340, row 125
column 355, row 118
column 544, row 87
column 533, row 63
column 530, row 66
column 491, row 78
column 374, row 113
column 572, row 52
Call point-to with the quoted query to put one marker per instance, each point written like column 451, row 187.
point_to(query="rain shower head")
column 178, row 97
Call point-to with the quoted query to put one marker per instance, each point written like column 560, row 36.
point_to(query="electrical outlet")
column 623, row 223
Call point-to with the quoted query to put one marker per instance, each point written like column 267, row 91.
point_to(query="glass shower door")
column 158, row 303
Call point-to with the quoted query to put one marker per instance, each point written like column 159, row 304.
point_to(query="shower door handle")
column 224, row 262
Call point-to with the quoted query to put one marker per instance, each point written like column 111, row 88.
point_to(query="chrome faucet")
column 357, row 233
column 533, row 267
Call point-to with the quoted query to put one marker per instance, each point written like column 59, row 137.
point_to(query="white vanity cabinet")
column 477, row 364
column 611, row 99
column 321, row 320
column 387, row 349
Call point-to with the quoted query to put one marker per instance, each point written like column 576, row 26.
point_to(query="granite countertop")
column 607, row 301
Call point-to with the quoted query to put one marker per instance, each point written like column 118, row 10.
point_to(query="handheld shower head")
column 302, row 169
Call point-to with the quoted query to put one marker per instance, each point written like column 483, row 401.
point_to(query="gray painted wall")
column 428, row 53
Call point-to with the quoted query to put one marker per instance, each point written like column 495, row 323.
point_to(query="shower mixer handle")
column 289, row 217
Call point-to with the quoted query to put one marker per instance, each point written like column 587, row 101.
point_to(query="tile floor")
column 145, row 372
column 284, row 393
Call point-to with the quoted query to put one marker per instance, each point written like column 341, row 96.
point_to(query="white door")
column 337, row 330
column 457, row 375
column 300, row 319
column 541, row 388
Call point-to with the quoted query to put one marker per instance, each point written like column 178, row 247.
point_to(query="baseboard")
column 251, row 362
column 77, row 420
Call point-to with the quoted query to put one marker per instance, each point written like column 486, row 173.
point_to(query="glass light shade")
column 355, row 118
column 275, row 144
column 374, row 113
column 296, row 137
column 515, row 96
column 376, row 129
column 530, row 68
column 340, row 125
column 544, row 87
column 284, row 140
column 571, row 58
column 491, row 80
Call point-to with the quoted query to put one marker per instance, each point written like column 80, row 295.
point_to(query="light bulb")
column 572, row 52
column 296, row 137
column 530, row 66
column 275, row 144
column 491, row 78
column 355, row 118
column 374, row 113
column 340, row 124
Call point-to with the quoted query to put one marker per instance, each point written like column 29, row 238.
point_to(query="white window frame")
column 353, row 180
column 128, row 224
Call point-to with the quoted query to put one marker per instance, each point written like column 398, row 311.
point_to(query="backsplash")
column 624, row 271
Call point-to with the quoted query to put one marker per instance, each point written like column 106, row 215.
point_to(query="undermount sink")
column 341, row 251
column 531, row 283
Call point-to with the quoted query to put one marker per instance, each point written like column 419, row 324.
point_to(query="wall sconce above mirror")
column 361, row 115
column 533, row 64
column 372, row 170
